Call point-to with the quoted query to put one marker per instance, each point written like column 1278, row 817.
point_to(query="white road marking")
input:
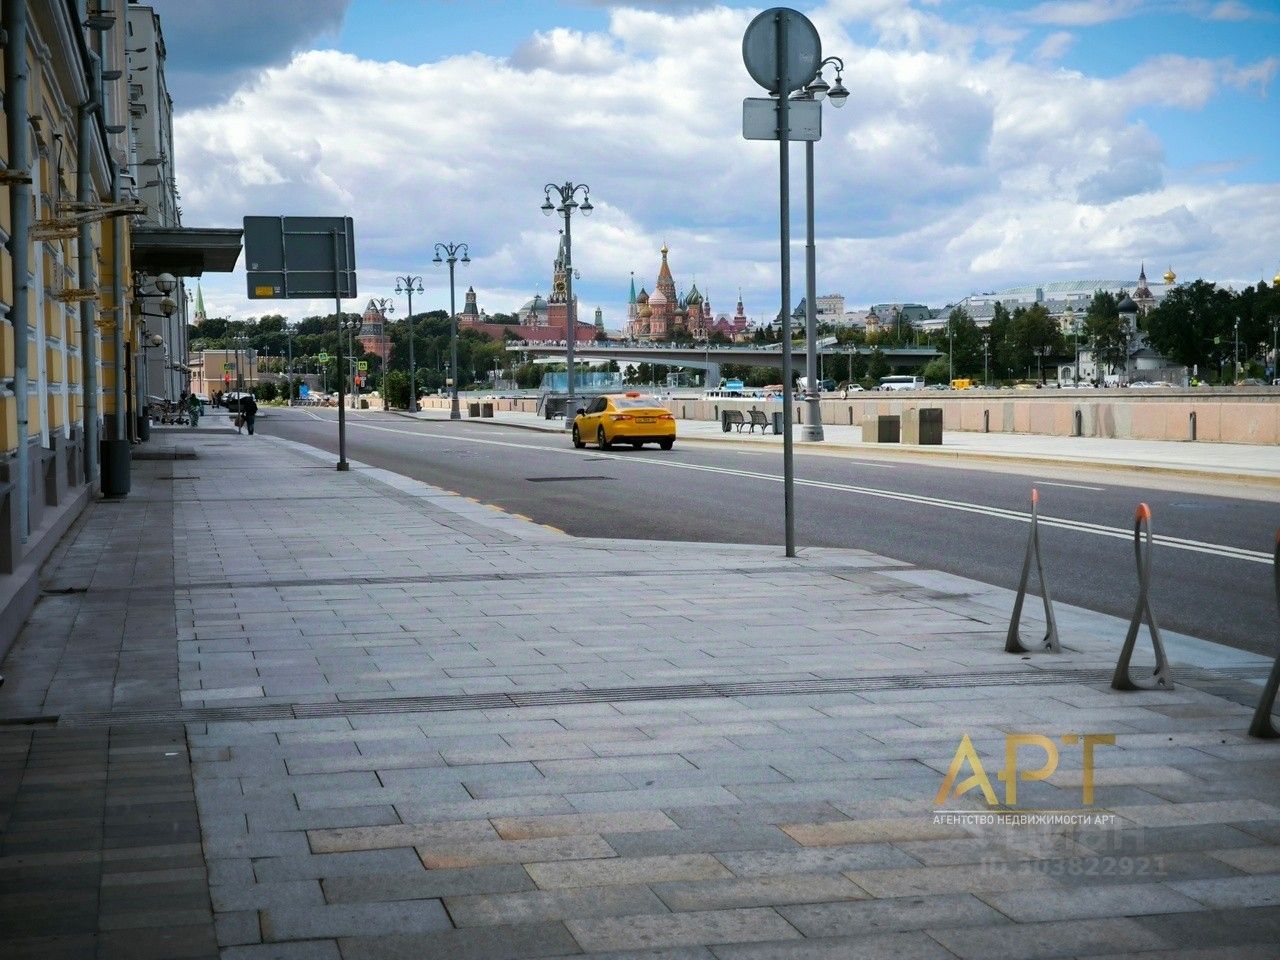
column 1074, row 486
column 1078, row 526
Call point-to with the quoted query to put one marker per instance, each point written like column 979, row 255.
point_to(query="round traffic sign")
column 800, row 59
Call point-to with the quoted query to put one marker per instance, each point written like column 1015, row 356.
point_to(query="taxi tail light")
column 665, row 416
column 620, row 416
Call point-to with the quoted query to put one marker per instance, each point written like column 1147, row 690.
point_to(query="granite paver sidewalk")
column 314, row 714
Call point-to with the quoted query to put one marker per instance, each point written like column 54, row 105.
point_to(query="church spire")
column 200, row 314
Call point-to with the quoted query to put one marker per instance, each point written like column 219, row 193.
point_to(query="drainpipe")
column 16, row 85
column 117, row 299
column 88, row 332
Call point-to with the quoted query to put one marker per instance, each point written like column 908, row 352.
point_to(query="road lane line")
column 1073, row 486
column 1078, row 526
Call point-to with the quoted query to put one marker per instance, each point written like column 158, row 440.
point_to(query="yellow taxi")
column 632, row 418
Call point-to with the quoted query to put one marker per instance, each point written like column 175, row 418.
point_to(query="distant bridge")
column 711, row 359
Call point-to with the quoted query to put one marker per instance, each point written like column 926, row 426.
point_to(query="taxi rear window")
column 631, row 403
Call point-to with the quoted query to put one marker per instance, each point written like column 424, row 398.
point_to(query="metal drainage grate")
column 500, row 701
column 563, row 479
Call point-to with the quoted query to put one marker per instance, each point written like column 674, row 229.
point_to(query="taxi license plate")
column 644, row 419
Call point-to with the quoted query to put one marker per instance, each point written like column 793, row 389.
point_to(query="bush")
column 395, row 389
column 266, row 391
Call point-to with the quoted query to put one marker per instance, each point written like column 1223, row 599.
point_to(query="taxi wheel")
column 603, row 440
column 577, row 440
column 666, row 444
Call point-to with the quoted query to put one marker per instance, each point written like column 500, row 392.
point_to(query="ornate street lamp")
column 448, row 253
column 567, row 195
column 411, row 285
column 817, row 89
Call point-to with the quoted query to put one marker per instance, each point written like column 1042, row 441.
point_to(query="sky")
column 983, row 145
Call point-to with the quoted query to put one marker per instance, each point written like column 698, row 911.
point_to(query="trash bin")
column 473, row 409
column 114, row 457
column 881, row 429
column 724, row 421
column 930, row 426
column 777, row 422
column 486, row 410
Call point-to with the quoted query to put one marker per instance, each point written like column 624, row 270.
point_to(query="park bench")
column 758, row 419
column 734, row 418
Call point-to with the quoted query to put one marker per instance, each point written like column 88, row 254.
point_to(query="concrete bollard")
column 1122, row 679
column 1013, row 642
column 1079, row 419
column 1191, row 425
column 986, row 421
column 1263, row 725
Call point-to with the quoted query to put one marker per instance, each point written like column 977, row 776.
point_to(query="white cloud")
column 1055, row 45
column 1082, row 13
column 952, row 168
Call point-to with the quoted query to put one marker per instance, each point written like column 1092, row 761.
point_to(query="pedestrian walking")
column 193, row 408
column 248, row 410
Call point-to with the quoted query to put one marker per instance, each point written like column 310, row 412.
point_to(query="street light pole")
column 951, row 353
column 411, row 284
column 567, row 193
column 1235, row 367
column 817, row 89
column 448, row 253
column 986, row 343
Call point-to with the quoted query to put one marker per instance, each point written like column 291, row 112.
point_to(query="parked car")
column 233, row 399
column 631, row 417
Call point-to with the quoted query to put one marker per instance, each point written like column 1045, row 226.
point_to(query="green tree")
column 1194, row 325
column 1104, row 332
column 937, row 370
column 998, row 341
column 395, row 389
column 878, row 365
column 965, row 343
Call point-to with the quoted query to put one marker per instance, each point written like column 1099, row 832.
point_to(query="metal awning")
column 185, row 251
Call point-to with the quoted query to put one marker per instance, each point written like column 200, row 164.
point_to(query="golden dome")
column 1170, row 276
column 1276, row 279
column 645, row 310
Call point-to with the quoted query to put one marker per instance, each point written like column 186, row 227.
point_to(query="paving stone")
column 670, row 930
column 889, row 915
column 759, row 892
column 711, row 839
column 836, row 833
column 764, row 863
column 542, row 905
column 1059, row 938
column 275, row 869
column 525, row 828
column 474, row 943
column 893, row 946
column 538, row 850
column 1228, row 892
column 347, row 839
column 258, row 896
column 297, row 950
column 1093, row 900
column 625, row 870
column 353, row 920
column 236, row 928
column 426, row 884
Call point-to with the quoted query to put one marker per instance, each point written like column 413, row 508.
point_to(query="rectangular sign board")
column 295, row 258
column 760, row 121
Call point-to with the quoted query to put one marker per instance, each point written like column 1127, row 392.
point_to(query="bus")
column 902, row 382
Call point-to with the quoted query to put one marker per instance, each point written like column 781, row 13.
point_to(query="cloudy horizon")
column 982, row 146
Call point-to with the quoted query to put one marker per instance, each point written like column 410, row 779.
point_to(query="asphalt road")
column 1215, row 583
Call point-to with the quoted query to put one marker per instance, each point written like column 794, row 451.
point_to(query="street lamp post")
column 951, row 353
column 818, row 89
column 410, row 284
column 567, row 193
column 1235, row 365
column 986, row 344
column 385, row 306
column 351, row 325
column 448, row 253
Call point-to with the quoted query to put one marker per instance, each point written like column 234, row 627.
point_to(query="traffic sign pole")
column 342, row 407
column 784, row 216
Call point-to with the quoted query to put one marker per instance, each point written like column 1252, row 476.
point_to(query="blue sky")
column 984, row 143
